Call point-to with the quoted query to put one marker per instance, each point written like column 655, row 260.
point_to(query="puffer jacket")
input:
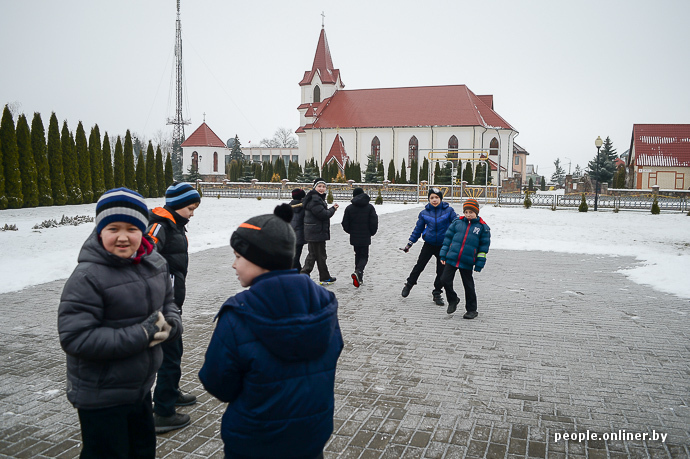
column 272, row 358
column 168, row 230
column 297, row 221
column 360, row 220
column 317, row 217
column 103, row 303
column 466, row 243
column 433, row 222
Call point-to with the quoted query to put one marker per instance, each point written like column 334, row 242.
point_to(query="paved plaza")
column 564, row 345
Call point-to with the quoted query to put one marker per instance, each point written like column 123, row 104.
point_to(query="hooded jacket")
column 433, row 222
column 360, row 220
column 317, row 215
column 103, row 303
column 466, row 243
column 272, row 358
column 167, row 229
column 297, row 221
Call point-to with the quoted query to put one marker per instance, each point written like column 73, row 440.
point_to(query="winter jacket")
column 360, row 220
column 317, row 215
column 272, row 358
column 103, row 303
column 433, row 222
column 297, row 222
column 466, row 243
column 167, row 229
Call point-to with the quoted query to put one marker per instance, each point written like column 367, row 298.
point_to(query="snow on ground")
column 660, row 242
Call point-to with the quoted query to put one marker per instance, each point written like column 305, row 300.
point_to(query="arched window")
column 493, row 147
column 195, row 161
column 412, row 149
column 453, row 147
column 376, row 149
column 215, row 161
column 317, row 94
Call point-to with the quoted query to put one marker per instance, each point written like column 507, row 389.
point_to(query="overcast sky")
column 561, row 73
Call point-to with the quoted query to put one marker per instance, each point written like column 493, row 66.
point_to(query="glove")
column 477, row 268
column 153, row 324
column 407, row 247
column 176, row 327
column 161, row 335
column 480, row 261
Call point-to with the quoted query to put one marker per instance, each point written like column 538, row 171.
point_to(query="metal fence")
column 637, row 202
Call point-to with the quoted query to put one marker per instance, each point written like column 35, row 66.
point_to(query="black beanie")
column 436, row 191
column 298, row 193
column 357, row 191
column 267, row 240
column 317, row 181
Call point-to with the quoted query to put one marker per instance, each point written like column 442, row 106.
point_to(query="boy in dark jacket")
column 432, row 223
column 317, row 230
column 115, row 309
column 273, row 353
column 360, row 222
column 297, row 224
column 167, row 228
column 465, row 246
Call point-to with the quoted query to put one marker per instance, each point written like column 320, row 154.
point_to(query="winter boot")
column 167, row 423
column 406, row 290
column 470, row 315
column 452, row 306
column 355, row 279
column 185, row 399
column 438, row 299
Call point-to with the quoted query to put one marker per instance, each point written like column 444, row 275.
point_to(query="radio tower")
column 178, row 121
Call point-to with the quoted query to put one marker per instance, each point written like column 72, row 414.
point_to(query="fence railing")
column 639, row 202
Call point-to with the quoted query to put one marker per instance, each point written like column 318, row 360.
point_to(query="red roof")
column 661, row 144
column 203, row 137
column 323, row 64
column 337, row 153
column 425, row 106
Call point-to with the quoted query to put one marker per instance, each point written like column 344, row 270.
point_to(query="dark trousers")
column 317, row 253
column 467, row 282
column 123, row 431
column 168, row 379
column 425, row 255
column 298, row 254
column 361, row 257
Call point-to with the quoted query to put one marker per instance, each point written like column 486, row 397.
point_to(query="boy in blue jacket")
column 432, row 223
column 273, row 354
column 465, row 246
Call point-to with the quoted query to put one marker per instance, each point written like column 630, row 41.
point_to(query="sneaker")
column 452, row 306
column 405, row 291
column 185, row 400
column 168, row 423
column 470, row 315
column 355, row 279
column 438, row 299
column 328, row 281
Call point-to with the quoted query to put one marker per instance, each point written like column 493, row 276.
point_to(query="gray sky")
column 561, row 73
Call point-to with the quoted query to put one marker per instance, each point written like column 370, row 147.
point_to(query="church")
column 399, row 124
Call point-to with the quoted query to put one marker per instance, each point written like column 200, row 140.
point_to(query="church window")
column 317, row 94
column 215, row 161
column 412, row 149
column 195, row 161
column 453, row 147
column 376, row 149
column 493, row 147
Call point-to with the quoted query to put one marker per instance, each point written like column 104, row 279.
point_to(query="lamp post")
column 598, row 144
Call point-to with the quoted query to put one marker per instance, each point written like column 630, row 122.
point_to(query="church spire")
column 323, row 64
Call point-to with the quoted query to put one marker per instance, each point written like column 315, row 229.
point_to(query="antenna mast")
column 178, row 121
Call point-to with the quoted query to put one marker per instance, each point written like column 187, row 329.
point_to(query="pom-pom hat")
column 317, row 181
column 471, row 204
column 436, row 191
column 267, row 240
column 298, row 193
column 121, row 205
column 181, row 195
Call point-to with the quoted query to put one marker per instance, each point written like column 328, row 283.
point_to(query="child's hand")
column 161, row 335
column 443, row 262
column 477, row 268
column 407, row 247
column 153, row 324
column 336, row 206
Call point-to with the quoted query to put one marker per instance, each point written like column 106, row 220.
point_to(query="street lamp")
column 598, row 144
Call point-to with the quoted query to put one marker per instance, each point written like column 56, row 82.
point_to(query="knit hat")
column 298, row 193
column 471, row 204
column 357, row 191
column 268, row 240
column 180, row 195
column 121, row 205
column 436, row 191
column 317, row 181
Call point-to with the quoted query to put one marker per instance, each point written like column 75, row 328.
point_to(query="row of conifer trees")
column 65, row 168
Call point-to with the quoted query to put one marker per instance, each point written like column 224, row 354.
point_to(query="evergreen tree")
column 543, row 183
column 236, row 152
column 531, row 184
column 70, row 166
column 527, row 202
column 424, row 171
column 403, row 173
column 267, row 171
column 256, row 168
column 294, row 171
column 370, row 174
column 234, row 171
column 391, row 171
column 247, row 172
column 445, row 175
column 280, row 168
column 559, row 174
column 468, row 175
column 10, row 164
column 108, row 178
column 83, row 158
column 38, row 147
column 96, row 157
column 142, row 183
column 119, row 165
column 27, row 164
column 583, row 204
column 329, row 197
column 397, row 178
column 380, row 171
column 160, row 173
column 603, row 163
column 130, row 173
column 619, row 177
column 168, row 171
column 414, row 177
column 57, row 175
column 655, row 206
column 487, row 172
column 480, row 173
column 3, row 198
column 151, row 179
column 379, row 198
column 437, row 174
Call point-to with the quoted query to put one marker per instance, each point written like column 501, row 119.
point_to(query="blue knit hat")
column 180, row 195
column 121, row 205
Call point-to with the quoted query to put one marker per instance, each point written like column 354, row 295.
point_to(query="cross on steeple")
column 323, row 16
column 204, row 117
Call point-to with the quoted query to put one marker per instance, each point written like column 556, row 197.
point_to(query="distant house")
column 520, row 163
column 659, row 155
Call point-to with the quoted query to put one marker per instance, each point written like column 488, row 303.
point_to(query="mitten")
column 407, row 247
column 481, row 261
column 176, row 327
column 153, row 324
column 161, row 335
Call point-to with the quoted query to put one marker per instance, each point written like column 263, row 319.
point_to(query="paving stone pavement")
column 563, row 344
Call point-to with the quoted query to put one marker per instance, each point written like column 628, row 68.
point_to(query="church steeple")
column 323, row 65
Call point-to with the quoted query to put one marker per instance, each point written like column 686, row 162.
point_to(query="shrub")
column 258, row 198
column 65, row 221
column 9, row 228
column 583, row 204
column 655, row 207
column 528, row 202
column 329, row 197
column 379, row 198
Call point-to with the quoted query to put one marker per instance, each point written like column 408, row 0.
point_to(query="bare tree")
column 283, row 138
column 164, row 139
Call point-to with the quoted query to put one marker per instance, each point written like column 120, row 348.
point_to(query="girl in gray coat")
column 115, row 309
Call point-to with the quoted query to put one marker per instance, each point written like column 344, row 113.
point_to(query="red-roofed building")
column 204, row 151
column 659, row 155
column 397, row 123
